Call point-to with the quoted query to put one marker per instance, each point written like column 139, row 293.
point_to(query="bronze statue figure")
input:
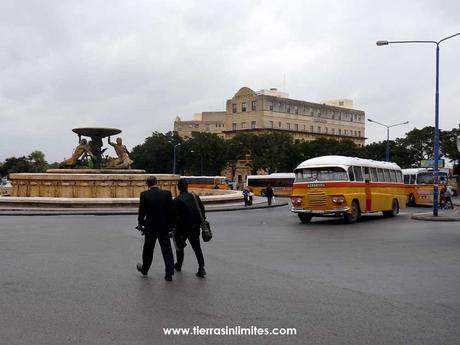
column 81, row 152
column 123, row 161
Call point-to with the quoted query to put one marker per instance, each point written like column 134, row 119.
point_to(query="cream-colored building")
column 209, row 122
column 272, row 110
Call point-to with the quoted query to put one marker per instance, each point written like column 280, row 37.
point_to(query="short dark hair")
column 182, row 185
column 151, row 181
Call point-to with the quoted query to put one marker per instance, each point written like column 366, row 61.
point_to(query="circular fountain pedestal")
column 78, row 183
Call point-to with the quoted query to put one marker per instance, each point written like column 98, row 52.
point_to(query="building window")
column 340, row 131
column 296, row 127
column 288, row 125
column 333, row 116
column 270, row 124
column 253, row 105
column 270, row 106
column 341, row 103
column 243, row 107
column 233, row 108
column 296, row 110
column 340, row 117
column 304, row 128
column 243, row 124
column 355, row 133
column 359, row 133
column 279, row 124
column 311, row 128
column 289, row 109
column 333, row 130
column 253, row 124
column 326, row 130
column 234, row 126
column 319, row 129
column 346, row 132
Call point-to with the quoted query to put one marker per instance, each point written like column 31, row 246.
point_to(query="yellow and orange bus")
column 347, row 187
column 281, row 183
column 206, row 182
column 419, row 185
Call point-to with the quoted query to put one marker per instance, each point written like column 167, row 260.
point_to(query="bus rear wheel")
column 411, row 201
column 394, row 209
column 305, row 218
column 354, row 214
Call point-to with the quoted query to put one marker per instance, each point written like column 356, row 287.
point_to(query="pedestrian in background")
column 187, row 208
column 269, row 194
column 246, row 196
column 155, row 220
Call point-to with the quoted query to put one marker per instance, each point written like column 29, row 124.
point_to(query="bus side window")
column 406, row 179
column 358, row 173
column 399, row 176
column 375, row 178
column 351, row 174
column 393, row 176
column 367, row 176
column 413, row 179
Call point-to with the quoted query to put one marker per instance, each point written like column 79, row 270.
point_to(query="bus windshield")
column 428, row 177
column 321, row 174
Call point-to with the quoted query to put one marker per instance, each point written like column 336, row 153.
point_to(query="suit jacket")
column 156, row 210
column 187, row 215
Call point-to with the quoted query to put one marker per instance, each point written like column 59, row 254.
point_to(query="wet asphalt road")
column 72, row 280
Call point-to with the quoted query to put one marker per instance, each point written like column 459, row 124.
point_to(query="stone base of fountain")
column 82, row 183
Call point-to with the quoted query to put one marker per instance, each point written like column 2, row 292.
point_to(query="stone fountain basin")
column 99, row 132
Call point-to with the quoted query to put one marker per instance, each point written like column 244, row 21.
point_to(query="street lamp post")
column 174, row 157
column 387, row 151
column 436, row 115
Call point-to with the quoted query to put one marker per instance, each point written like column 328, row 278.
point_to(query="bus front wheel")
column 305, row 218
column 354, row 214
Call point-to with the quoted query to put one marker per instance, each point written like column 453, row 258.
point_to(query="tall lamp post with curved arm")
column 387, row 152
column 436, row 115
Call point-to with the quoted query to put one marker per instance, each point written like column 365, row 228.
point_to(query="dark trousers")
column 194, row 241
column 165, row 245
column 269, row 199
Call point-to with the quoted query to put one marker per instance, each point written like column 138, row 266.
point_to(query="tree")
column 38, row 161
column 449, row 143
column 203, row 154
column 155, row 155
column 16, row 165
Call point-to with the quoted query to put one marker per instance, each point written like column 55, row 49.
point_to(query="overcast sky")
column 136, row 65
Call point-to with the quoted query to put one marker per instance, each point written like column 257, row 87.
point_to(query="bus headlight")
column 296, row 202
column 338, row 199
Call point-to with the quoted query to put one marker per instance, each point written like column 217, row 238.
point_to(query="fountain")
column 87, row 178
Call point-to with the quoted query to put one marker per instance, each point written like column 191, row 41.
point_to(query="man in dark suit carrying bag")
column 155, row 220
column 189, row 215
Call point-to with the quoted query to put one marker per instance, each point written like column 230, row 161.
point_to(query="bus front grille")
column 316, row 200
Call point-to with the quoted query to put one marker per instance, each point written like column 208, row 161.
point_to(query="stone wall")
column 87, row 185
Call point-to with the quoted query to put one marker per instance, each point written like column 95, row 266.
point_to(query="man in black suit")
column 155, row 220
column 187, row 208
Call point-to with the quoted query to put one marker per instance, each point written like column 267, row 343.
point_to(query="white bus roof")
column 272, row 176
column 415, row 171
column 344, row 161
column 202, row 177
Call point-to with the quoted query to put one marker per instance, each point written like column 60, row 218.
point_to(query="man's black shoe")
column 140, row 269
column 168, row 278
column 178, row 268
column 201, row 272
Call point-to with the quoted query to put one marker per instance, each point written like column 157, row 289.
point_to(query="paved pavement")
column 72, row 280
